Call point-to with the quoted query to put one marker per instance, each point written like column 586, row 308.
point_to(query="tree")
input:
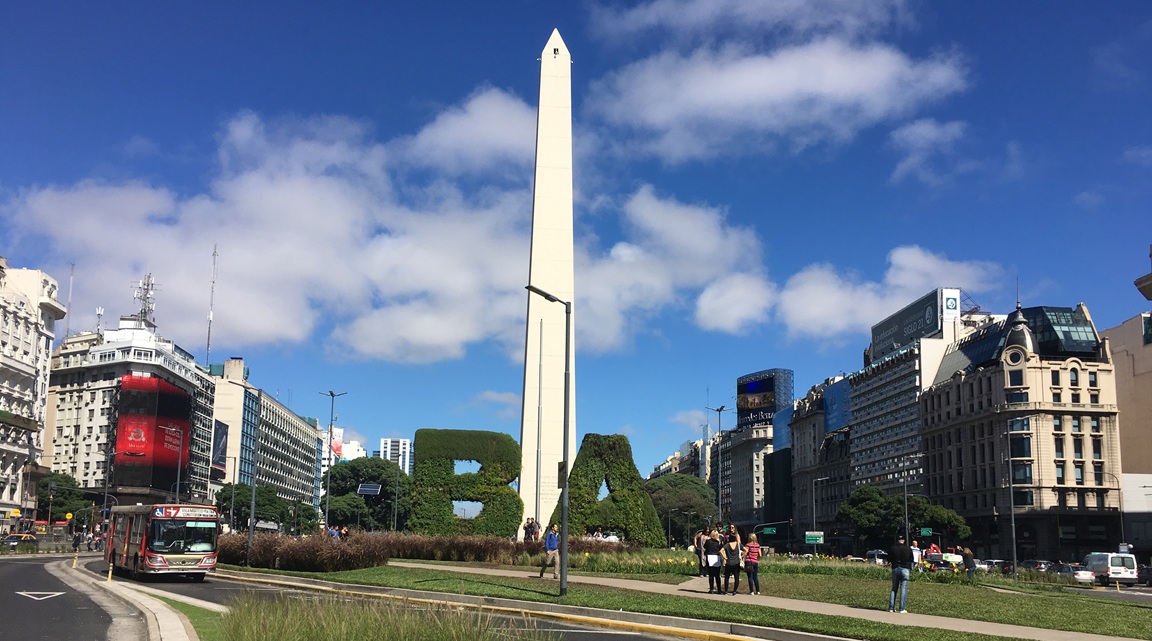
column 877, row 518
column 348, row 510
column 681, row 501
column 63, row 495
column 269, row 507
column 395, row 487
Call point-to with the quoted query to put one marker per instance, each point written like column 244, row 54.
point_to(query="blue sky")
column 757, row 183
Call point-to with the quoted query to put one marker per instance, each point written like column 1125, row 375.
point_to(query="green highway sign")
column 814, row 538
column 768, row 531
column 925, row 531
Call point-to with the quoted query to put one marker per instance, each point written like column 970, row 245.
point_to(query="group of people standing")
column 722, row 550
column 94, row 541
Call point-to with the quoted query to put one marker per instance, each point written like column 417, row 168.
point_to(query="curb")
column 133, row 612
column 700, row 629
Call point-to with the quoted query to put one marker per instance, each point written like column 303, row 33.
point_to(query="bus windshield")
column 182, row 537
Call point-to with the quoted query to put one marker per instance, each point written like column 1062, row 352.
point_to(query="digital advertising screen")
column 153, row 421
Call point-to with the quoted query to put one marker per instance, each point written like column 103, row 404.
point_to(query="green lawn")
column 1043, row 608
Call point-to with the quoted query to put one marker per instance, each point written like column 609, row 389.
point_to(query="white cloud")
column 730, row 101
column 922, row 142
column 491, row 130
column 702, row 17
column 672, row 249
column 819, row 302
column 735, row 303
column 1139, row 155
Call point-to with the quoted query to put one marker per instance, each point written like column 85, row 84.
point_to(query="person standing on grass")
column 552, row 552
column 917, row 554
column 969, row 563
column 712, row 547
column 752, row 564
column 733, row 554
column 698, row 542
column 900, row 556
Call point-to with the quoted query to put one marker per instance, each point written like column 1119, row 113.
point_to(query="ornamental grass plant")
column 251, row 618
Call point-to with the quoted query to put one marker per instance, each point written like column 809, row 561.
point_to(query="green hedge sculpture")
column 436, row 485
column 627, row 508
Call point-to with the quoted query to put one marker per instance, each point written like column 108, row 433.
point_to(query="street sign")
column 68, row 516
column 925, row 531
column 768, row 531
column 814, row 538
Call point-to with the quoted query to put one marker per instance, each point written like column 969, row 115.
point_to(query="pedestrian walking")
column 733, row 554
column 712, row 556
column 900, row 556
column 76, row 540
column 552, row 552
column 752, row 564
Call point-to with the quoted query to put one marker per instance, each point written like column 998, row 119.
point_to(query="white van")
column 1110, row 567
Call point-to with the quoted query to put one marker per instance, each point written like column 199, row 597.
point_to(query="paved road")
column 220, row 591
column 39, row 606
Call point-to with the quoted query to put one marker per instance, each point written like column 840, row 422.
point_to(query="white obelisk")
column 550, row 269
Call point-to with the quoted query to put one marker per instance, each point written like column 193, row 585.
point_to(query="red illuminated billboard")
column 152, row 432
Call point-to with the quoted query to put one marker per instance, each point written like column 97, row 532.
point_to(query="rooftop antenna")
column 146, row 293
column 68, row 316
column 99, row 318
column 211, row 306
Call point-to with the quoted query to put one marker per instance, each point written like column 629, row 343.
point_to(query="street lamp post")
column 814, row 481
column 567, row 408
column 179, row 455
column 1120, row 498
column 719, row 428
column 107, row 475
column 331, row 459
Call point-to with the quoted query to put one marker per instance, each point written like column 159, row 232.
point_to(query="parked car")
column 1035, row 565
column 13, row 540
column 1144, row 575
column 879, row 557
column 1078, row 573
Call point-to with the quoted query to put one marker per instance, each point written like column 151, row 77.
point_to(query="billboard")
column 922, row 318
column 836, row 408
column 153, row 421
column 219, row 450
column 760, row 395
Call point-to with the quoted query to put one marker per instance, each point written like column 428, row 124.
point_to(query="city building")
column 270, row 444
column 129, row 412
column 1021, row 436
column 1131, row 347
column 28, row 314
column 821, row 471
column 686, row 460
column 901, row 361
column 399, row 451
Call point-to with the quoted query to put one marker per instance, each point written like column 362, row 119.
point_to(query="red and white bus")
column 163, row 539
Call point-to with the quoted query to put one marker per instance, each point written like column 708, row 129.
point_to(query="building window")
column 1016, row 378
column 1094, row 399
column 1059, row 474
column 1021, row 447
column 1019, row 424
column 1057, row 397
column 1022, row 473
column 1074, row 378
column 1016, row 397
column 1098, row 474
column 1055, row 377
column 1079, row 471
column 1075, row 397
column 1057, row 423
column 1077, row 448
column 1022, row 497
column 1097, row 449
column 1092, row 379
column 1095, row 422
column 1058, row 441
column 1100, row 500
column 1075, row 424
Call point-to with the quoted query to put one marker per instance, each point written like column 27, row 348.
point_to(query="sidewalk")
column 694, row 588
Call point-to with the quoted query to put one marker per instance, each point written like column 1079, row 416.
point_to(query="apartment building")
column 28, row 314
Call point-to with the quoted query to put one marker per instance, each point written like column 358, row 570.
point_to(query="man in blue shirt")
column 552, row 550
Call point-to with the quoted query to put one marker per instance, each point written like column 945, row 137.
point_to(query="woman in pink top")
column 752, row 564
